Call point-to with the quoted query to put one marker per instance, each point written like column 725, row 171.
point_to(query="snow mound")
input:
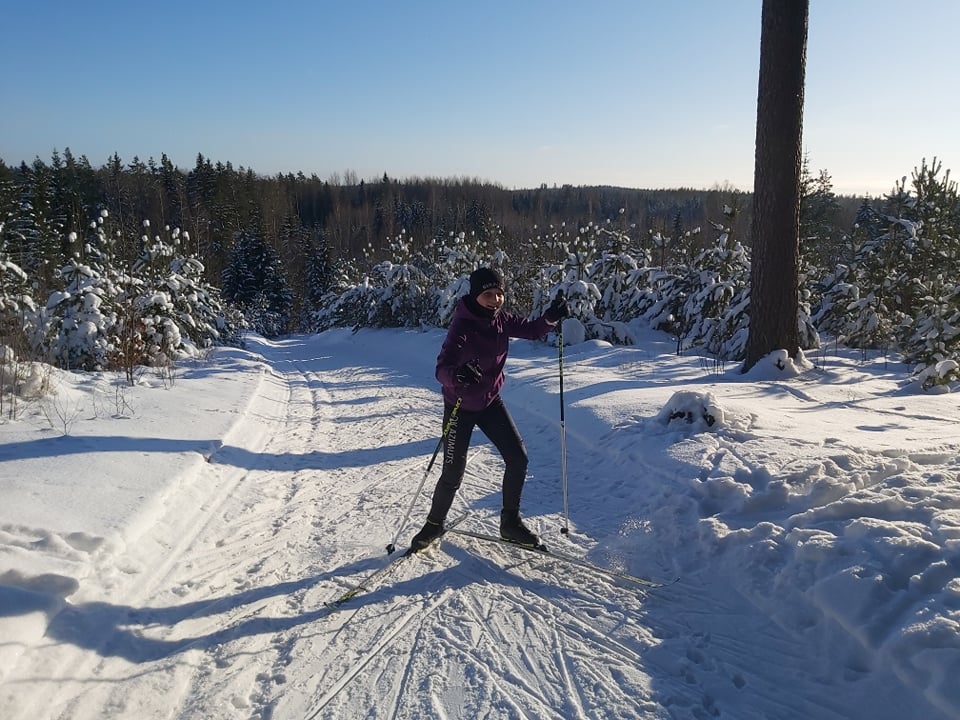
column 779, row 365
column 700, row 410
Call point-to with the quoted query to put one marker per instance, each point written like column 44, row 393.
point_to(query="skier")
column 470, row 369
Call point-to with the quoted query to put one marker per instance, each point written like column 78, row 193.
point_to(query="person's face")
column 491, row 299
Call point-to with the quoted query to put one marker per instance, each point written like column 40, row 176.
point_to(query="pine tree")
column 318, row 272
column 255, row 282
column 77, row 319
column 774, row 271
column 928, row 297
column 717, row 299
column 820, row 237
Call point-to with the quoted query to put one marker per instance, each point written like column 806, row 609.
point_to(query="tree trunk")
column 776, row 192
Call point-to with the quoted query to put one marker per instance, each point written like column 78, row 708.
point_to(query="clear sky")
column 639, row 93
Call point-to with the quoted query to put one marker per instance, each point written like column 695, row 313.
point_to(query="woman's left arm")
column 519, row 327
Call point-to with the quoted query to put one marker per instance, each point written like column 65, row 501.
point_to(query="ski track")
column 232, row 622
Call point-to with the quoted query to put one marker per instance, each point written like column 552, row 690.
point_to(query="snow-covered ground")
column 166, row 550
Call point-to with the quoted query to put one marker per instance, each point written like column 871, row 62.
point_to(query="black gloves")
column 468, row 373
column 558, row 309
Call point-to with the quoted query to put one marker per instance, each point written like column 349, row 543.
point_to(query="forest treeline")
column 299, row 216
column 130, row 263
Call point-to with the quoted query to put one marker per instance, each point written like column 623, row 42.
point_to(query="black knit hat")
column 484, row 279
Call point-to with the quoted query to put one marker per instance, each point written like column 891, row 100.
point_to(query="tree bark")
column 776, row 193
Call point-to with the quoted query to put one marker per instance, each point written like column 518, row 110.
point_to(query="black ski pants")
column 495, row 422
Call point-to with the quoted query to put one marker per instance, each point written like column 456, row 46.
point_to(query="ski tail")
column 569, row 559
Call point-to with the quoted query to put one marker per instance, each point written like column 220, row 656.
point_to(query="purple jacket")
column 484, row 339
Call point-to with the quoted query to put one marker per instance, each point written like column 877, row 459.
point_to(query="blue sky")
column 639, row 93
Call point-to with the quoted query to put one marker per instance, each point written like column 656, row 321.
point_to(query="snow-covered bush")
column 929, row 333
column 391, row 293
column 17, row 306
column 108, row 316
column 390, row 296
column 408, row 302
column 456, row 258
column 76, row 321
column 939, row 375
column 412, row 289
column 573, row 277
column 76, row 325
column 616, row 271
column 198, row 308
column 615, row 277
column 705, row 304
column 899, row 290
column 717, row 299
column 932, row 338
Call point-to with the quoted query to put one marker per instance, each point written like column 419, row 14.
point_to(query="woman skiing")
column 470, row 371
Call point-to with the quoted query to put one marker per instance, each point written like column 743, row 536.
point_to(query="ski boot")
column 430, row 532
column 513, row 530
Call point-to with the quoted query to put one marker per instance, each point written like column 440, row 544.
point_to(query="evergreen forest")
column 135, row 263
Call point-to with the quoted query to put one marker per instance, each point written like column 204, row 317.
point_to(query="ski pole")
column 563, row 434
column 446, row 429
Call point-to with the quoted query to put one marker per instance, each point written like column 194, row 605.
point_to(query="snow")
column 166, row 549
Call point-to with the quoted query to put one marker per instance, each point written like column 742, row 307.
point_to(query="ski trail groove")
column 559, row 621
column 386, row 637
column 574, row 691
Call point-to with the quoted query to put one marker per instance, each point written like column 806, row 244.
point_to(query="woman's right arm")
column 449, row 358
